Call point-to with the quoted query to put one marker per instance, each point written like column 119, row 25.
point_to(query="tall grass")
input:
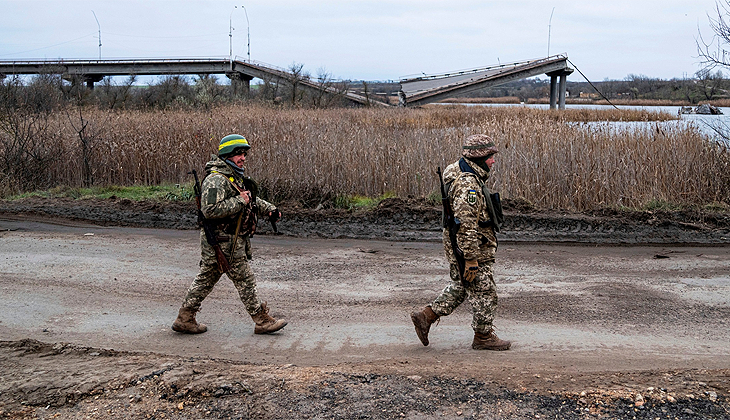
column 316, row 155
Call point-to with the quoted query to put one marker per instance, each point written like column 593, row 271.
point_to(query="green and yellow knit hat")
column 232, row 142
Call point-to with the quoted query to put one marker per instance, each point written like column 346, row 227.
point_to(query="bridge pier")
column 239, row 82
column 88, row 79
column 557, row 88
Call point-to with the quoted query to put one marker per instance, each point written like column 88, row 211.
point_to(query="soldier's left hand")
column 471, row 268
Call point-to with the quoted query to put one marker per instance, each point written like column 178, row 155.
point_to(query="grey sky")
column 372, row 40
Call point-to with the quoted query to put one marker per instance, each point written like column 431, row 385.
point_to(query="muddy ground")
column 409, row 219
column 612, row 315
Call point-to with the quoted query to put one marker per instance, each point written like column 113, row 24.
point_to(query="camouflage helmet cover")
column 479, row 146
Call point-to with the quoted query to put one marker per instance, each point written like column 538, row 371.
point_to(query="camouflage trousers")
column 240, row 274
column 482, row 295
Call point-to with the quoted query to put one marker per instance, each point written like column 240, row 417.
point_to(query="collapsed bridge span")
column 425, row 89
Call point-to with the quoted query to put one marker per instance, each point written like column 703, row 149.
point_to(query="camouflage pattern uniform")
column 221, row 201
column 476, row 238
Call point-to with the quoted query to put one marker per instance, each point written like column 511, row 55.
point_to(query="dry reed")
column 317, row 154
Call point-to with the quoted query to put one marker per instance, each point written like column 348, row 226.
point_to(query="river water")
column 707, row 124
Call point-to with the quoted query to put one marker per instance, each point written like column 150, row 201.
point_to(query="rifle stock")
column 451, row 223
column 208, row 229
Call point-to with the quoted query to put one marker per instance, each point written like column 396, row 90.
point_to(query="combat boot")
column 489, row 341
column 265, row 324
column 186, row 323
column 422, row 320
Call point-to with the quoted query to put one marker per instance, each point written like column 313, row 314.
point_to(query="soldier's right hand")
column 471, row 268
column 246, row 195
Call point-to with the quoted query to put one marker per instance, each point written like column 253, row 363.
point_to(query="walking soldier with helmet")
column 228, row 209
column 472, row 217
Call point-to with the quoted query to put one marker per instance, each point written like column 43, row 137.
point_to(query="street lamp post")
column 248, row 34
column 97, row 24
column 550, row 24
column 230, row 34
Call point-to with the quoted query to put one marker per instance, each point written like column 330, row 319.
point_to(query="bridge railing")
column 111, row 61
column 423, row 76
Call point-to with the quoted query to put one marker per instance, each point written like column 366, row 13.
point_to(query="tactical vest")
column 494, row 204
column 250, row 214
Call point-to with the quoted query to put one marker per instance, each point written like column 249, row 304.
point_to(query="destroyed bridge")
column 414, row 91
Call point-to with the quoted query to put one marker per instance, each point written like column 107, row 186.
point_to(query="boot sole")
column 416, row 321
column 494, row 348
column 180, row 329
column 258, row 331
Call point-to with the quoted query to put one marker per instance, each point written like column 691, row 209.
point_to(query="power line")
column 49, row 46
column 590, row 83
column 167, row 37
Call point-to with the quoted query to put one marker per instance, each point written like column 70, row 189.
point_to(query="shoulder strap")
column 465, row 169
column 230, row 178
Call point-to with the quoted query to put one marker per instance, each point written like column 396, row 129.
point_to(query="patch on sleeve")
column 471, row 197
column 212, row 195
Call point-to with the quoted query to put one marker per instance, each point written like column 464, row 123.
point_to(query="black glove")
column 274, row 216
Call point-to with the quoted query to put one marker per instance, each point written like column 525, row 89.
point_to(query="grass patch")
column 661, row 205
column 359, row 202
column 717, row 208
column 164, row 192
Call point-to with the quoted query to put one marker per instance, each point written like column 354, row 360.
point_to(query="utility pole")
column 248, row 34
column 230, row 34
column 550, row 24
column 99, row 26
column 230, row 37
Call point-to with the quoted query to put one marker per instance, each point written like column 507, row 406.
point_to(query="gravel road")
column 598, row 330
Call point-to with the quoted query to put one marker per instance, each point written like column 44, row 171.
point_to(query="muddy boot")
column 265, row 324
column 422, row 321
column 186, row 323
column 489, row 341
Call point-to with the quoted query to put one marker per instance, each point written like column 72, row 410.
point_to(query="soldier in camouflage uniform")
column 477, row 240
column 226, row 195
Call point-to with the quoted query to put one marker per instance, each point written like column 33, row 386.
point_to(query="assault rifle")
column 209, row 229
column 451, row 223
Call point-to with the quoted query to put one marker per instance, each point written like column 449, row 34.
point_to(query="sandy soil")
column 611, row 316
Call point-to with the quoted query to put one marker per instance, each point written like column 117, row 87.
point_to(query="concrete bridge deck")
column 432, row 88
column 92, row 71
column 414, row 91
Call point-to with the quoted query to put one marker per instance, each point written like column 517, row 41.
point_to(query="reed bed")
column 314, row 155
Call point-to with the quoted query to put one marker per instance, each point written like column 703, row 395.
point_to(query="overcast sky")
column 371, row 40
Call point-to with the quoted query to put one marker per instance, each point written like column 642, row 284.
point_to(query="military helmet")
column 479, row 146
column 231, row 143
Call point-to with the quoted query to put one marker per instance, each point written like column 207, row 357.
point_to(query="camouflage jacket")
column 476, row 236
column 221, row 202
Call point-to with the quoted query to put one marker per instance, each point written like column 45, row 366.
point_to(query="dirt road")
column 597, row 330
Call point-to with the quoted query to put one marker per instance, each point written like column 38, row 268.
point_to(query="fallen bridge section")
column 433, row 88
column 240, row 72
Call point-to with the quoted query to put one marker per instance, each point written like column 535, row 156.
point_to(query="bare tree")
column 207, row 90
column 170, row 91
column 112, row 95
column 88, row 137
column 716, row 51
column 329, row 92
column 296, row 76
column 28, row 144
